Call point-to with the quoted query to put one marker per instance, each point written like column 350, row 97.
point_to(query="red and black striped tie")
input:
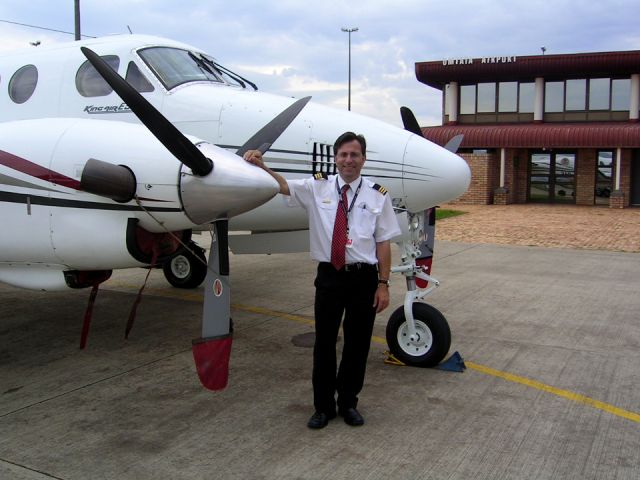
column 339, row 241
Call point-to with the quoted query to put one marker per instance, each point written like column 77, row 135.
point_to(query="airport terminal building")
column 543, row 128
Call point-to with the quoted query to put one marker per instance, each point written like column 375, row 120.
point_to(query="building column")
column 634, row 99
column 500, row 194
column 616, row 200
column 538, row 106
column 502, row 166
column 618, row 167
column 453, row 102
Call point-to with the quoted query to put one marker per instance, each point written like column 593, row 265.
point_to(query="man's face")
column 349, row 160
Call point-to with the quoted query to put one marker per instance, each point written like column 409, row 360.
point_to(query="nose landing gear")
column 417, row 333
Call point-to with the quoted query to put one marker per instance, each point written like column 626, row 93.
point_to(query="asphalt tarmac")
column 550, row 337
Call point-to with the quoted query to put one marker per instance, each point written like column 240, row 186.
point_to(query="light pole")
column 349, row 30
column 76, row 14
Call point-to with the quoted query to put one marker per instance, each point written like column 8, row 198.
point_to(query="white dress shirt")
column 370, row 220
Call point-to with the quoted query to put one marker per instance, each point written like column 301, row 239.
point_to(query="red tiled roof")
column 545, row 135
column 527, row 68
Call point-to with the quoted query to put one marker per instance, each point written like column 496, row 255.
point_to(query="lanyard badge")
column 347, row 211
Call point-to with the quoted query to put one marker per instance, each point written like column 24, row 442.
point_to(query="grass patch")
column 445, row 213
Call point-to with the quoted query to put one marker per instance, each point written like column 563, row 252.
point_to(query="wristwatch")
column 383, row 282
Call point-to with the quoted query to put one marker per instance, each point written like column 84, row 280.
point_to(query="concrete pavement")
column 551, row 338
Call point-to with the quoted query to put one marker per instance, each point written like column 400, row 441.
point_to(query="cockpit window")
column 174, row 66
column 137, row 80
column 23, row 83
column 90, row 83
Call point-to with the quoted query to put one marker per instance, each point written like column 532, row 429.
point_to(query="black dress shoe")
column 351, row 417
column 320, row 419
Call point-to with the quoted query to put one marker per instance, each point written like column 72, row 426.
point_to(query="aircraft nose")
column 233, row 187
column 432, row 175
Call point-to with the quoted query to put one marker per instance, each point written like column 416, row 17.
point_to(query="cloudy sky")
column 297, row 48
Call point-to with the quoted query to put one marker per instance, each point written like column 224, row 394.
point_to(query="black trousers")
column 338, row 293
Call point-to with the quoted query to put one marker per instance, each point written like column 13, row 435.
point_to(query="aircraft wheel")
column 433, row 336
column 184, row 270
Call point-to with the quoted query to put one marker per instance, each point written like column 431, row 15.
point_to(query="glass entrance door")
column 552, row 177
column 604, row 178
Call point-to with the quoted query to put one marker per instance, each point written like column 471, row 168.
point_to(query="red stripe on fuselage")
column 38, row 171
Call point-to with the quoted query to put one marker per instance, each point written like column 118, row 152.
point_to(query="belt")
column 354, row 267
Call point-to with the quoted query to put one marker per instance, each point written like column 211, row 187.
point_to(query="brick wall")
column 507, row 194
column 521, row 176
column 622, row 198
column 485, row 171
column 514, row 180
column 586, row 176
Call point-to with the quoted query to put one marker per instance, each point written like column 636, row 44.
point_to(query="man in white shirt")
column 351, row 223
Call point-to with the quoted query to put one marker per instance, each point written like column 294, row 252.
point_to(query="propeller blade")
column 411, row 124
column 409, row 121
column 268, row 134
column 211, row 352
column 179, row 145
column 454, row 144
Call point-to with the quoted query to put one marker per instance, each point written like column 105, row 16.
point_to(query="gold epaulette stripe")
column 380, row 188
column 320, row 176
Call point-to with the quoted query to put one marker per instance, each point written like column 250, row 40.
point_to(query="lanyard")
column 353, row 200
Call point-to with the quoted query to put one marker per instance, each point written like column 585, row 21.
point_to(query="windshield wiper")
column 238, row 78
column 201, row 64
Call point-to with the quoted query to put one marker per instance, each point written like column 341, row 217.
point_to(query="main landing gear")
column 187, row 268
column 417, row 333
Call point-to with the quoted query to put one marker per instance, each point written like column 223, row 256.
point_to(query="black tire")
column 434, row 336
column 184, row 270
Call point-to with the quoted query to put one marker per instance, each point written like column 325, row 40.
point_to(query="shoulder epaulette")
column 320, row 176
column 380, row 188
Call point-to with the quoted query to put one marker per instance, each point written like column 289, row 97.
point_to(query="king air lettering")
column 100, row 109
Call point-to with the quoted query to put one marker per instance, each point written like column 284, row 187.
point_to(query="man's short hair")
column 347, row 137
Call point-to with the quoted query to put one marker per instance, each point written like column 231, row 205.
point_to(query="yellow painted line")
column 198, row 297
column 510, row 377
column 272, row 313
column 574, row 397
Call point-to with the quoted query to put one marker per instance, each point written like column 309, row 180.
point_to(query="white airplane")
column 85, row 189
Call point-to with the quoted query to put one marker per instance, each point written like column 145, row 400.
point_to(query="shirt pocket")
column 326, row 209
column 366, row 221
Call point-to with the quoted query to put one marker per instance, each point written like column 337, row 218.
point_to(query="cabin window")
column 90, row 83
column 137, row 80
column 23, row 83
